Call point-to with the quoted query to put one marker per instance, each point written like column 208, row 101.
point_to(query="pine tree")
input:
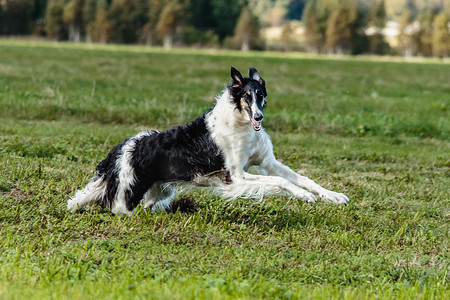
column 148, row 35
column 54, row 19
column 15, row 16
column 405, row 38
column 287, row 35
column 247, row 30
column 128, row 18
column 38, row 14
column 441, row 36
column 312, row 31
column 425, row 33
column 89, row 12
column 377, row 15
column 340, row 31
column 102, row 25
column 172, row 16
column 73, row 17
column 226, row 13
column 277, row 15
column 377, row 21
column 200, row 14
column 315, row 17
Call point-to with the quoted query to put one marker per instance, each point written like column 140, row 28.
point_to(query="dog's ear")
column 254, row 74
column 237, row 77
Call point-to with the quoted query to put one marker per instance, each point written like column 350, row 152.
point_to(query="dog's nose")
column 258, row 117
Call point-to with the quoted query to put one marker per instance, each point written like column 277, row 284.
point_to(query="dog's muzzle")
column 256, row 122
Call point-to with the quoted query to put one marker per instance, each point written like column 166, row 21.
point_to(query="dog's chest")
column 236, row 139
column 238, row 147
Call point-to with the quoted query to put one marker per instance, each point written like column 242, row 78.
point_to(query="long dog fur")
column 215, row 150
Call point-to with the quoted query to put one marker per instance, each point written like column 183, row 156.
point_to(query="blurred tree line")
column 353, row 27
column 329, row 26
column 127, row 21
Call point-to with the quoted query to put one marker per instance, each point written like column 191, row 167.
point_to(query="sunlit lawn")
column 376, row 131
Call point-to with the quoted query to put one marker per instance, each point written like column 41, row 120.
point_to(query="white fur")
column 96, row 189
column 243, row 147
column 126, row 173
column 126, row 177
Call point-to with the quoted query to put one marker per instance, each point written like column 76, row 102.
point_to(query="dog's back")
column 132, row 167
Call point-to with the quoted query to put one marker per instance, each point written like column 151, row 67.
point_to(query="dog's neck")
column 225, row 111
column 232, row 132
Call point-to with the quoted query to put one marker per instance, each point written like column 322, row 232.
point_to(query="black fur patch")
column 179, row 154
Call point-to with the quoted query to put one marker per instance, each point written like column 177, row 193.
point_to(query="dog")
column 215, row 150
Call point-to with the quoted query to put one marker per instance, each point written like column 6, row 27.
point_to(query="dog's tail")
column 94, row 192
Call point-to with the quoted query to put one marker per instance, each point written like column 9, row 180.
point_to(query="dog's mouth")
column 256, row 124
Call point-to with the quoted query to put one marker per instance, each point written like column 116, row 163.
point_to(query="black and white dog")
column 215, row 150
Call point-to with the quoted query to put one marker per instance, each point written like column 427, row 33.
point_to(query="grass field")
column 376, row 131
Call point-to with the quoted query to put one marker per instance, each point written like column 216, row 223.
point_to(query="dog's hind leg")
column 92, row 193
column 159, row 196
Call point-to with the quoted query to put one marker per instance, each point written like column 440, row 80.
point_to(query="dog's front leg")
column 276, row 168
column 256, row 186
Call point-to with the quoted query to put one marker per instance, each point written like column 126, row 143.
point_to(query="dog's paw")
column 306, row 196
column 72, row 205
column 334, row 197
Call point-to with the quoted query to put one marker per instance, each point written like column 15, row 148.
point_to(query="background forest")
column 374, row 128
column 401, row 27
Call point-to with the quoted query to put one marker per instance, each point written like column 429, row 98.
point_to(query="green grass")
column 376, row 131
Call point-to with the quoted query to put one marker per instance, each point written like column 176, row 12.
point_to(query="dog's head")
column 249, row 95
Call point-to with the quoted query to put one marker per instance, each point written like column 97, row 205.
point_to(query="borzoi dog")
column 216, row 150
